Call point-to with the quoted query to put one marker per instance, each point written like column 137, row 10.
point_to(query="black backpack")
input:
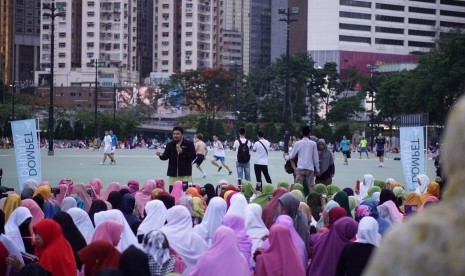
column 243, row 153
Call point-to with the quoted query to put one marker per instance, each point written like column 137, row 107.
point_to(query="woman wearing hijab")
column 332, row 190
column 289, row 205
column 371, row 191
column 355, row 256
column 210, row 192
column 238, row 204
column 189, row 204
column 193, row 192
column 113, row 187
column 97, row 206
column 115, row 199
column 80, row 190
column 99, row 254
column 68, row 203
column 155, row 217
column 157, row 248
column 12, row 202
column 386, row 195
column 46, row 193
column 54, row 252
column 27, row 193
column 368, row 208
column 271, row 209
column 299, row 195
column 423, row 183
column 348, row 191
column 133, row 186
column 156, row 193
column 353, row 202
column 128, row 203
column 83, row 223
column 343, row 199
column 328, row 248
column 248, row 190
column 96, row 186
column 168, row 200
column 365, row 185
column 264, row 197
column 320, row 189
column 298, row 186
column 237, row 224
column 109, row 231
column 283, row 184
column 412, row 199
column 281, row 258
column 380, row 183
column 160, row 184
column 375, row 197
column 315, row 204
column 388, row 211
column 36, row 212
column 432, row 190
column 224, row 248
column 212, row 219
column 17, row 228
column 178, row 231
column 327, row 169
column 134, row 262
column 255, row 228
column 72, row 234
column 177, row 191
column 199, row 209
column 227, row 196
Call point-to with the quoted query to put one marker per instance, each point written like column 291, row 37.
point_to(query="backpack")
column 243, row 153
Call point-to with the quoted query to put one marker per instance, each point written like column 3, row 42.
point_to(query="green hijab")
column 353, row 202
column 283, row 184
column 320, row 189
column 343, row 199
column 264, row 198
column 371, row 191
column 332, row 189
column 399, row 191
column 299, row 195
column 247, row 189
column 298, row 186
column 380, row 183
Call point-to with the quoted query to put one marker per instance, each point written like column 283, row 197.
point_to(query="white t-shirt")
column 107, row 141
column 261, row 155
column 236, row 144
column 218, row 149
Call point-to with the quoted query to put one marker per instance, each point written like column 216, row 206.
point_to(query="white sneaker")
column 205, row 175
column 101, row 163
column 382, row 165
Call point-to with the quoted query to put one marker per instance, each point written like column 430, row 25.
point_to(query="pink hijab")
column 109, row 231
column 80, row 190
column 237, row 224
column 36, row 212
column 281, row 258
column 133, row 185
column 177, row 191
column 393, row 211
column 114, row 186
column 96, row 186
column 144, row 195
column 68, row 182
column 224, row 247
column 429, row 199
column 160, row 183
column 63, row 192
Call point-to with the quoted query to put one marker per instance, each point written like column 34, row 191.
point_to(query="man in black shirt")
column 380, row 141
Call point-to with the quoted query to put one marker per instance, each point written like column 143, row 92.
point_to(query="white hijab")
column 237, row 205
column 12, row 250
column 83, row 223
column 423, row 183
column 18, row 216
column 68, row 203
column 127, row 237
column 181, row 238
column 368, row 231
column 155, row 219
column 255, row 228
column 368, row 182
column 212, row 219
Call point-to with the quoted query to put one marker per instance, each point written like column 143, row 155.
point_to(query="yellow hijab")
column 12, row 202
column 45, row 191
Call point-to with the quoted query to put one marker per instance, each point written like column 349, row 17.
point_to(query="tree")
column 331, row 87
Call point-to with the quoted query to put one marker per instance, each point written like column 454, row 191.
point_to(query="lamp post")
column 52, row 14
column 372, row 68
column 95, row 63
column 287, row 13
column 13, row 86
column 114, row 106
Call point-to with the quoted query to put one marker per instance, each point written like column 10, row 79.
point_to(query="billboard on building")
column 136, row 96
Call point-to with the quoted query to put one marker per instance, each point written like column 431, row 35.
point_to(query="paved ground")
column 82, row 165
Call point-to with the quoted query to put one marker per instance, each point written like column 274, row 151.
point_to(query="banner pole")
column 426, row 148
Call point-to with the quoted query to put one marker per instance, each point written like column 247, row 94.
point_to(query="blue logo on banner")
column 412, row 150
column 27, row 151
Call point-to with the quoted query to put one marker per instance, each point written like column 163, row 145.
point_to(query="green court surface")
column 81, row 165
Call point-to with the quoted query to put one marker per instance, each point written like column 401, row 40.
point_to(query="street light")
column 95, row 63
column 287, row 13
column 372, row 68
column 52, row 14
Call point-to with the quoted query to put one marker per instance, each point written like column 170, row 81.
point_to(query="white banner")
column 412, row 151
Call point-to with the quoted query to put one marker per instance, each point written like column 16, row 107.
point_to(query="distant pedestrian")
column 242, row 146
column 218, row 150
column 363, row 147
column 107, row 148
column 380, row 142
column 345, row 148
column 261, row 148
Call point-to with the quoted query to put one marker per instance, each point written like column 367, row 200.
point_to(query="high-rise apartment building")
column 384, row 31
column 145, row 38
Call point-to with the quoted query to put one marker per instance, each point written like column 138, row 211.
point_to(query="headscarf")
column 68, row 203
column 36, row 212
column 56, row 255
column 343, row 199
column 326, row 157
column 368, row 231
column 97, row 206
column 332, row 190
column 133, row 186
column 193, row 192
column 83, row 223
column 97, row 255
column 182, row 239
column 17, row 218
column 12, row 250
column 72, row 234
column 423, row 183
column 155, row 217
column 281, row 258
column 160, row 184
column 80, row 190
column 388, row 211
column 368, row 208
column 30, row 183
column 315, row 204
column 45, row 191
column 168, row 200
column 320, row 189
column 353, row 202
column 224, row 247
column 283, row 184
column 298, row 186
column 334, row 215
column 430, row 199
column 226, row 194
column 12, row 202
column 228, row 197
column 328, row 248
column 348, row 191
column 371, row 191
column 411, row 199
column 238, row 204
column 299, row 195
column 325, row 214
column 127, row 237
column 270, row 210
column 157, row 247
column 298, row 243
column 399, row 191
column 109, row 231
column 432, row 190
column 375, row 197
column 115, row 199
column 387, row 195
column 231, row 187
column 97, row 186
column 63, row 191
column 237, row 224
column 177, row 191
column 380, row 183
column 113, row 187
column 247, row 189
column 188, row 203
column 255, row 228
column 264, row 197
column 368, row 182
column 38, row 199
column 210, row 192
column 291, row 204
column 212, row 219
column 128, row 203
column 393, row 185
column 27, row 193
column 199, row 209
column 134, row 262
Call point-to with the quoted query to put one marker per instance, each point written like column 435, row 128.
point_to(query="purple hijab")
column 329, row 247
column 237, row 224
column 299, row 244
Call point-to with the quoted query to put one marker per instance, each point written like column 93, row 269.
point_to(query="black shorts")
column 380, row 153
column 199, row 159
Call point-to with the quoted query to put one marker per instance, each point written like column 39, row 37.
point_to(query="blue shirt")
column 345, row 145
column 113, row 140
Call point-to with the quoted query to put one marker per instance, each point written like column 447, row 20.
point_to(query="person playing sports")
column 107, row 148
column 218, row 150
column 380, row 142
column 114, row 144
column 201, row 152
column 363, row 147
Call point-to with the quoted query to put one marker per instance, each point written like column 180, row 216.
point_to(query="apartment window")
column 453, row 13
column 164, row 62
column 356, row 15
column 61, row 65
column 165, row 6
column 90, row 34
column 189, row 15
column 422, row 33
column 421, row 44
column 45, row 46
column 188, row 62
column 188, row 53
column 188, row 24
column 188, row 34
column 452, row 24
column 389, row 18
column 166, row 16
column 90, row 45
column 165, row 25
column 359, row 39
column 189, row 6
column 45, row 56
column 352, row 3
column 165, row 43
column 188, row 43
column 91, row 14
column 354, row 27
column 45, row 27
column 389, row 41
column 421, row 21
column 424, row 1
column 45, row 36
column 116, row 46
column 453, row 3
column 116, row 36
column 165, row 34
column 61, row 35
column 90, row 55
column 90, row 24
column 421, row 10
column 389, row 7
column 61, row 55
column 389, row 30
column 91, row 4
column 164, row 53
column 61, row 45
